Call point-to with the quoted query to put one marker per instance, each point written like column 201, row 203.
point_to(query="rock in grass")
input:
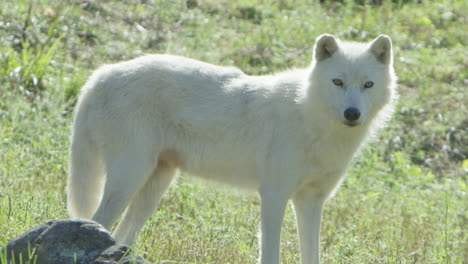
column 68, row 242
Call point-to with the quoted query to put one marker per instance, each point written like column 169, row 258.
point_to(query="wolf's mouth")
column 351, row 123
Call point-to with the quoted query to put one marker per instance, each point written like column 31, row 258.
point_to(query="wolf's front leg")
column 273, row 206
column 308, row 207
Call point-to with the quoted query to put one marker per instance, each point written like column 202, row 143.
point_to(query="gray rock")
column 119, row 254
column 69, row 242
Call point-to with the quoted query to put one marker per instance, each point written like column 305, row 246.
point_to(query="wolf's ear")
column 325, row 46
column 381, row 47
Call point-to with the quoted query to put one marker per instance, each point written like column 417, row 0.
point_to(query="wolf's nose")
column 352, row 114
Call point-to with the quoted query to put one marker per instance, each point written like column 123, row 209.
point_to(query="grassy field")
column 405, row 200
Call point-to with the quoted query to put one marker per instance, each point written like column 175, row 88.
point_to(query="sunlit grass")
column 404, row 200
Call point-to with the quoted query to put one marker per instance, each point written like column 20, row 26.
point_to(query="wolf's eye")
column 368, row 84
column 337, row 82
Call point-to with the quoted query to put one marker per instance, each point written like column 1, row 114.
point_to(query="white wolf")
column 289, row 136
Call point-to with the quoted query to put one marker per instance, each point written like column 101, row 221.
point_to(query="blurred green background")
column 405, row 200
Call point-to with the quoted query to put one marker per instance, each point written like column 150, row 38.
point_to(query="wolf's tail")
column 86, row 176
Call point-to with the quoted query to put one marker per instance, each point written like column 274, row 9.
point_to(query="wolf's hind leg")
column 144, row 203
column 127, row 172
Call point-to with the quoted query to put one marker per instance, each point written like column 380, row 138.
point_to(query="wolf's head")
column 352, row 81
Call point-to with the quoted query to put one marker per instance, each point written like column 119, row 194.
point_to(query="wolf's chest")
column 328, row 159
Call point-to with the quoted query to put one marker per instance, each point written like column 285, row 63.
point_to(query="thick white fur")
column 284, row 135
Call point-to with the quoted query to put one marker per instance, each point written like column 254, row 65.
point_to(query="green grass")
column 405, row 200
